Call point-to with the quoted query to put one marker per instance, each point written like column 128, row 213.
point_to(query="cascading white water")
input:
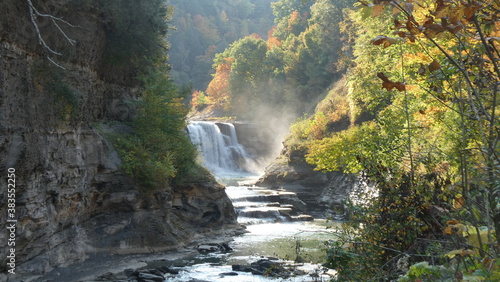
column 221, row 152
column 266, row 212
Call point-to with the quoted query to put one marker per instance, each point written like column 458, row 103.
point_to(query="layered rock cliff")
column 72, row 199
column 322, row 192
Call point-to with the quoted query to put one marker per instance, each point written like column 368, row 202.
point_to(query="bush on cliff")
column 158, row 152
column 159, row 149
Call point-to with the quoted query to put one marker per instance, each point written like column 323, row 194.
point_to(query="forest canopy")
column 427, row 73
column 203, row 28
column 291, row 68
column 415, row 116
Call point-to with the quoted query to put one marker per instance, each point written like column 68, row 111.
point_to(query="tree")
column 289, row 13
column 247, row 66
column 293, row 66
column 429, row 81
column 219, row 89
column 200, row 25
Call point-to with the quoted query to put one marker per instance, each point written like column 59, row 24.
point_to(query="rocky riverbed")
column 274, row 248
column 241, row 254
column 119, row 267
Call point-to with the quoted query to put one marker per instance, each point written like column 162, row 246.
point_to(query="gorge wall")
column 321, row 191
column 72, row 199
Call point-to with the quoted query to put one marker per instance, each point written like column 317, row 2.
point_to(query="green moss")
column 64, row 100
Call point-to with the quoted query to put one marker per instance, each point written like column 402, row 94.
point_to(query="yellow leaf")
column 448, row 230
column 385, row 40
column 458, row 202
column 461, row 252
column 483, row 237
column 453, row 253
column 377, row 10
column 456, row 14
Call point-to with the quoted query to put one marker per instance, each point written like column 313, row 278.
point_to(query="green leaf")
column 366, row 12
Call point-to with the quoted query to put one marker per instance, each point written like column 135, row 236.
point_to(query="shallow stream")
column 276, row 230
column 298, row 244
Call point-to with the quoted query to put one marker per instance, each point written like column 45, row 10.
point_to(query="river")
column 298, row 245
column 275, row 231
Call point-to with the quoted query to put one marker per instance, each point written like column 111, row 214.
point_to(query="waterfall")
column 219, row 147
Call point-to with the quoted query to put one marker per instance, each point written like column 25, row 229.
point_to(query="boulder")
column 152, row 277
column 232, row 273
column 214, row 247
column 303, row 217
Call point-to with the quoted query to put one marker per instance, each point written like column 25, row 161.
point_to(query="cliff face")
column 72, row 199
column 320, row 191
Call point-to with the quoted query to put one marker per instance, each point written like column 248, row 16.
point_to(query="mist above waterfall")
column 275, row 125
column 220, row 149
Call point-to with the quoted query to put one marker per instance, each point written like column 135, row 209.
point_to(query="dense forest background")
column 403, row 94
column 202, row 29
column 291, row 66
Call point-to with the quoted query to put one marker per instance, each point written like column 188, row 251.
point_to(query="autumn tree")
column 294, row 65
column 428, row 81
column 290, row 15
column 219, row 90
column 201, row 25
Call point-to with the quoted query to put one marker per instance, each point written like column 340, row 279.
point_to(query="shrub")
column 159, row 148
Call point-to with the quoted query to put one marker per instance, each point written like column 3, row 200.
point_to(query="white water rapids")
column 270, row 235
column 220, row 150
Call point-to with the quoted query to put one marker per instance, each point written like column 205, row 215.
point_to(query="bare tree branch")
column 34, row 13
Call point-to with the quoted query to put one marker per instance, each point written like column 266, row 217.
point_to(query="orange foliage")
column 271, row 40
column 294, row 20
column 219, row 89
column 199, row 100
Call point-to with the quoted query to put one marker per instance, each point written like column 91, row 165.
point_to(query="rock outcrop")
column 71, row 198
column 320, row 191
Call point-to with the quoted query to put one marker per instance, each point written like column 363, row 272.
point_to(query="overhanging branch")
column 34, row 13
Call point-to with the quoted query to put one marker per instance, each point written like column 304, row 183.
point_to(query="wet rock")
column 256, row 272
column 109, row 276
column 264, row 264
column 106, row 277
column 226, row 247
column 285, row 211
column 292, row 199
column 242, row 229
column 169, row 270
column 303, row 217
column 214, row 247
column 156, row 272
column 268, row 266
column 228, row 274
column 299, row 272
column 260, row 212
column 143, row 277
column 241, row 268
column 128, row 272
column 317, row 189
